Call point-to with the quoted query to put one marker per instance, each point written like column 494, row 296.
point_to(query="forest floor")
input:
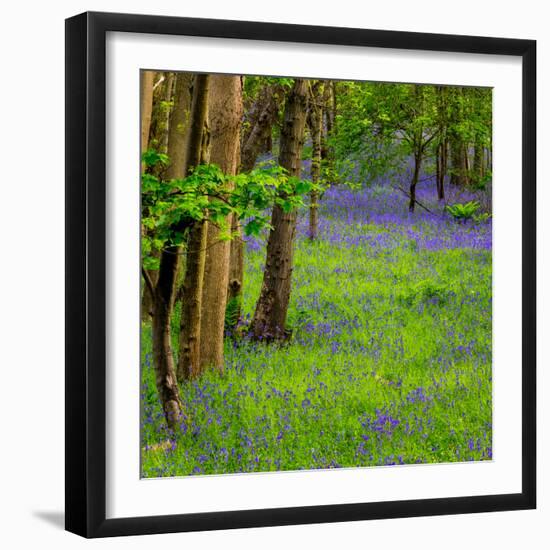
column 389, row 361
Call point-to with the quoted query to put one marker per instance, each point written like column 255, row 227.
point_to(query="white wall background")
column 31, row 279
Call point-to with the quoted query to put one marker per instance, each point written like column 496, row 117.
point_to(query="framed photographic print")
column 300, row 274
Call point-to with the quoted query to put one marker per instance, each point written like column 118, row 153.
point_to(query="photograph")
column 316, row 274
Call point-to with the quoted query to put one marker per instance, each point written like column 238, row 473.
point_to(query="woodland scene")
column 316, row 267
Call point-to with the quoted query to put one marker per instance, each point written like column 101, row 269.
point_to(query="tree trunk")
column 315, row 127
column 165, row 377
column 169, row 262
column 416, row 174
column 147, row 301
column 146, row 85
column 225, row 113
column 459, row 148
column 190, row 322
column 169, row 91
column 438, row 169
column 159, row 134
column 146, row 107
column 178, row 126
column 236, row 273
column 441, row 169
column 271, row 309
column 442, row 147
column 459, row 161
column 478, row 161
column 160, row 116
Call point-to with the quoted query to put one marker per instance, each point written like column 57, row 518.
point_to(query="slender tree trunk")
column 147, row 299
column 416, row 174
column 190, row 322
column 160, row 116
column 459, row 148
column 441, row 169
column 166, row 285
column 236, row 273
column 169, row 91
column 225, row 113
column 438, row 169
column 441, row 152
column 445, row 165
column 331, row 105
column 478, row 161
column 146, row 108
column 178, row 126
column 165, row 374
column 158, row 134
column 146, row 85
column 466, row 170
column 271, row 309
column 459, row 161
column 315, row 127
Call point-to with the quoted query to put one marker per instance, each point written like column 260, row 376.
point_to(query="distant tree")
column 458, row 132
column 384, row 126
column 316, row 110
column 470, row 130
column 441, row 144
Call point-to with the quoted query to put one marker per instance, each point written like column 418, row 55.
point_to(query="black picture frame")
column 86, row 274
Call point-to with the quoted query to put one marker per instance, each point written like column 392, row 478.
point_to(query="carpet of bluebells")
column 389, row 361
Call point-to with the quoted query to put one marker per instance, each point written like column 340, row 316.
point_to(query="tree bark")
column 271, row 309
column 459, row 161
column 178, row 126
column 169, row 91
column 225, row 113
column 315, row 128
column 146, row 85
column 165, row 376
column 478, row 161
column 236, row 273
column 147, row 300
column 416, row 175
column 442, row 147
column 160, row 116
column 190, row 322
column 441, row 169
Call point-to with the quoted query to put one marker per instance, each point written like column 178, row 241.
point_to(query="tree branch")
column 148, row 281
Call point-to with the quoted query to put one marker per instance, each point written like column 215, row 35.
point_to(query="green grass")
column 389, row 363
